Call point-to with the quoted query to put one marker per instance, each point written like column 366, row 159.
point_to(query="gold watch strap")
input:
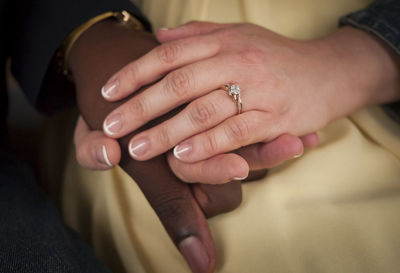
column 123, row 17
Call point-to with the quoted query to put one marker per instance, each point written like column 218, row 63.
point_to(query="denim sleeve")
column 39, row 27
column 381, row 18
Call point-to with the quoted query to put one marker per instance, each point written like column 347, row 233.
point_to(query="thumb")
column 177, row 210
column 93, row 149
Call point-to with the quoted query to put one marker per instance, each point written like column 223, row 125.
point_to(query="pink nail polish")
column 110, row 89
column 182, row 150
column 138, row 147
column 195, row 254
column 113, row 124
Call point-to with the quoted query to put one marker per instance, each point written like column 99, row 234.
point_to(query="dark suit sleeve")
column 382, row 19
column 39, row 26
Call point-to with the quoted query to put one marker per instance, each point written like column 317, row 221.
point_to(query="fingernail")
column 138, row 147
column 163, row 29
column 113, row 124
column 240, row 178
column 195, row 254
column 109, row 89
column 182, row 150
column 299, row 155
column 102, row 157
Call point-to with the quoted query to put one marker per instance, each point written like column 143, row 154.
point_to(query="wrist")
column 104, row 48
column 363, row 69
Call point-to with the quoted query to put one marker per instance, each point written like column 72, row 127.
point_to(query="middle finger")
column 176, row 88
column 200, row 115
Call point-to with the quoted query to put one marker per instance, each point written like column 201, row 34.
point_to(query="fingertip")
column 293, row 145
column 195, row 254
column 310, row 140
column 238, row 167
column 279, row 150
column 110, row 89
column 112, row 125
column 164, row 34
column 113, row 152
column 298, row 148
column 161, row 34
column 105, row 156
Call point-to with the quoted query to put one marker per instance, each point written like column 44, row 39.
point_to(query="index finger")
column 157, row 62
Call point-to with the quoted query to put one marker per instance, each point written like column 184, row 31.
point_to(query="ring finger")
column 200, row 115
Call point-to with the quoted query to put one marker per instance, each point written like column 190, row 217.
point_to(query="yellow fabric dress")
column 336, row 209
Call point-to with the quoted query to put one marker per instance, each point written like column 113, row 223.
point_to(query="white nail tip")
column 239, row 178
column 106, row 92
column 297, row 156
column 103, row 148
column 176, row 152
column 106, row 127
column 133, row 149
column 163, row 28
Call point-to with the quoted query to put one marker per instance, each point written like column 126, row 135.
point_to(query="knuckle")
column 164, row 137
column 170, row 205
column 202, row 113
column 211, row 144
column 168, row 53
column 221, row 198
column 179, row 83
column 227, row 35
column 130, row 73
column 251, row 55
column 237, row 129
column 137, row 108
column 274, row 81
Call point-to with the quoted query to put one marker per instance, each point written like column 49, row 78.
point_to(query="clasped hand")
column 288, row 88
column 197, row 60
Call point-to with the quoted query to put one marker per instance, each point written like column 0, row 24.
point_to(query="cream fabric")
column 336, row 209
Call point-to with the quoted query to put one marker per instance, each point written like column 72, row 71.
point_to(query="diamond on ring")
column 234, row 92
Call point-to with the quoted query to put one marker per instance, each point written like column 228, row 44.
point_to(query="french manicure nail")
column 110, row 89
column 113, row 124
column 138, row 147
column 195, row 254
column 299, row 155
column 102, row 157
column 182, row 150
column 240, row 178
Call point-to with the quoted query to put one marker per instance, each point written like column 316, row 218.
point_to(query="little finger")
column 215, row 170
column 238, row 131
